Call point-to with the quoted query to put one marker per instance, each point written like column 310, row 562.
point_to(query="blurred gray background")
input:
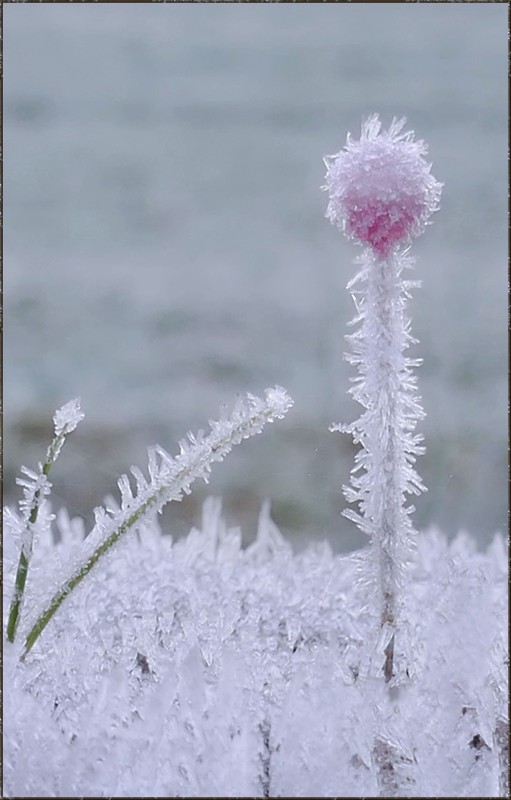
column 166, row 246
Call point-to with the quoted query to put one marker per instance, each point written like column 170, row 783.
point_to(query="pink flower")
column 381, row 189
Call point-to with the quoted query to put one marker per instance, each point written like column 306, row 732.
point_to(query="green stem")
column 19, row 588
column 26, row 551
column 80, row 575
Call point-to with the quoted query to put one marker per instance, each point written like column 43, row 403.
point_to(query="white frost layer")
column 202, row 669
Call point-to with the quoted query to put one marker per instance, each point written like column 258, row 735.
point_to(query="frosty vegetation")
column 200, row 668
column 381, row 195
column 139, row 667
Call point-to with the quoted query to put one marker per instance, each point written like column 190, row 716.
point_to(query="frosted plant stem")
column 21, row 578
column 66, row 419
column 78, row 577
column 23, row 564
column 383, row 351
column 384, row 471
column 168, row 482
column 390, row 318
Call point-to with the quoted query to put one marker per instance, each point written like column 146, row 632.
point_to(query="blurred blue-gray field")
column 166, row 246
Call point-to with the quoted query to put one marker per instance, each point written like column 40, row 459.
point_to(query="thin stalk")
column 78, row 577
column 383, row 294
column 385, row 388
column 27, row 543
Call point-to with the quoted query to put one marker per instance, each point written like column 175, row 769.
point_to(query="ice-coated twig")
column 381, row 195
column 36, row 487
column 169, row 478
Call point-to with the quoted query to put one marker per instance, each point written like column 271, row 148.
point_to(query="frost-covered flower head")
column 381, row 189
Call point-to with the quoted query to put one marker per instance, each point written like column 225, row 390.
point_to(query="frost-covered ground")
column 203, row 669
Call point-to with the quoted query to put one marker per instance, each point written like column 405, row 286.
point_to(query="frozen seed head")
column 381, row 189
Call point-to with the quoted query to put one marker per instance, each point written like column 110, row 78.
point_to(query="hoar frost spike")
column 382, row 195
